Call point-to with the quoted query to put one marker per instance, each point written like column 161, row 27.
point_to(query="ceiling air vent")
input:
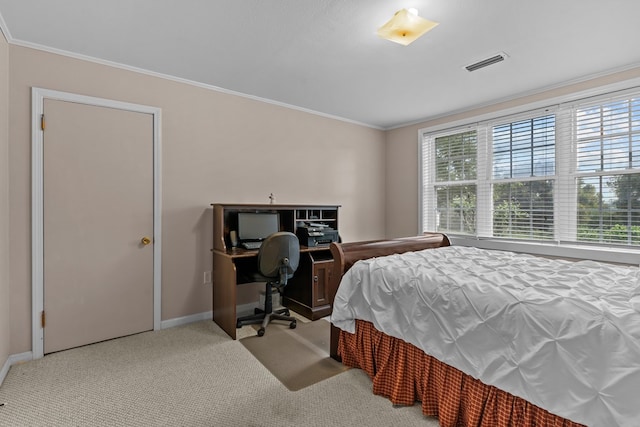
column 486, row 62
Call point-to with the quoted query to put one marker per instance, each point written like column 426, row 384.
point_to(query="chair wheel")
column 292, row 325
column 260, row 332
column 238, row 324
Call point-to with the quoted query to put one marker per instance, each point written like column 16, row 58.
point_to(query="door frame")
column 38, row 96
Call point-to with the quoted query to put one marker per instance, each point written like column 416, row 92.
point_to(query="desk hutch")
column 307, row 292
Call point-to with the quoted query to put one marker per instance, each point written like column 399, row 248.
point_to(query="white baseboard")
column 12, row 360
column 178, row 321
column 4, row 371
column 241, row 310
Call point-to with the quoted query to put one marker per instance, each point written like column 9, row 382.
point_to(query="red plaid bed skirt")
column 405, row 374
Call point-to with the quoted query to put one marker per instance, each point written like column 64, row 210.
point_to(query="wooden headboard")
column 346, row 254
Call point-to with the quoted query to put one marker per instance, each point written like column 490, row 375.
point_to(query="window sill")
column 599, row 253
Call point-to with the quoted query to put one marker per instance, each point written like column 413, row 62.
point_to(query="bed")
column 490, row 338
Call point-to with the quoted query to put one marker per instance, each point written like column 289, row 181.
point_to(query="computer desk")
column 234, row 267
column 307, row 292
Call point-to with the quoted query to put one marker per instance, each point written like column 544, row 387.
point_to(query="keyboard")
column 251, row 245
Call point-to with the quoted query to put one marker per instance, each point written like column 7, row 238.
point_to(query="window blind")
column 523, row 178
column 449, row 196
column 607, row 143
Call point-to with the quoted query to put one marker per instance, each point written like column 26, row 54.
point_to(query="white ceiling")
column 325, row 56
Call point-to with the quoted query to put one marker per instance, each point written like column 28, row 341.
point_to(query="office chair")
column 278, row 259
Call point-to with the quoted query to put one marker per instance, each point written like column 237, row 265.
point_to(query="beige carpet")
column 297, row 357
column 189, row 376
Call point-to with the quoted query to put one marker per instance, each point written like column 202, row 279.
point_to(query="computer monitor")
column 257, row 225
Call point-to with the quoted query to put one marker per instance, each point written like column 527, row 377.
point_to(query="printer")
column 312, row 234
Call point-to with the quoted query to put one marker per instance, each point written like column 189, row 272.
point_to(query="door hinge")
column 42, row 122
column 42, row 319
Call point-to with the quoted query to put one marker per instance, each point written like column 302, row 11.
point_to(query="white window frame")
column 429, row 203
column 565, row 225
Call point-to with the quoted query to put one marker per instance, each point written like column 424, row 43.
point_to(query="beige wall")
column 216, row 147
column 402, row 176
column 4, row 201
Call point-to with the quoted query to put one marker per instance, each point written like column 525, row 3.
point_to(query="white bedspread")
column 563, row 335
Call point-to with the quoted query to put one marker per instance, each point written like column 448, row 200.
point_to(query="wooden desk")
column 308, row 291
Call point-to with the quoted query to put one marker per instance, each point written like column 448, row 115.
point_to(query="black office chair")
column 278, row 259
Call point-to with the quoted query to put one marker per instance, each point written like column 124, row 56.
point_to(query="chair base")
column 264, row 317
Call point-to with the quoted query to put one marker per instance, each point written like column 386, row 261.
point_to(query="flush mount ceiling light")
column 405, row 27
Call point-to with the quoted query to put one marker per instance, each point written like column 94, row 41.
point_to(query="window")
column 455, row 160
column 608, row 172
column 523, row 159
column 456, row 164
column 569, row 173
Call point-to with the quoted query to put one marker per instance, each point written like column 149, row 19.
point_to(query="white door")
column 97, row 217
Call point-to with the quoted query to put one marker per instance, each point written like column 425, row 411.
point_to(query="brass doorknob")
column 145, row 240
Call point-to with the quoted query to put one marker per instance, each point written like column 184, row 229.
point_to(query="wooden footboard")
column 346, row 254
